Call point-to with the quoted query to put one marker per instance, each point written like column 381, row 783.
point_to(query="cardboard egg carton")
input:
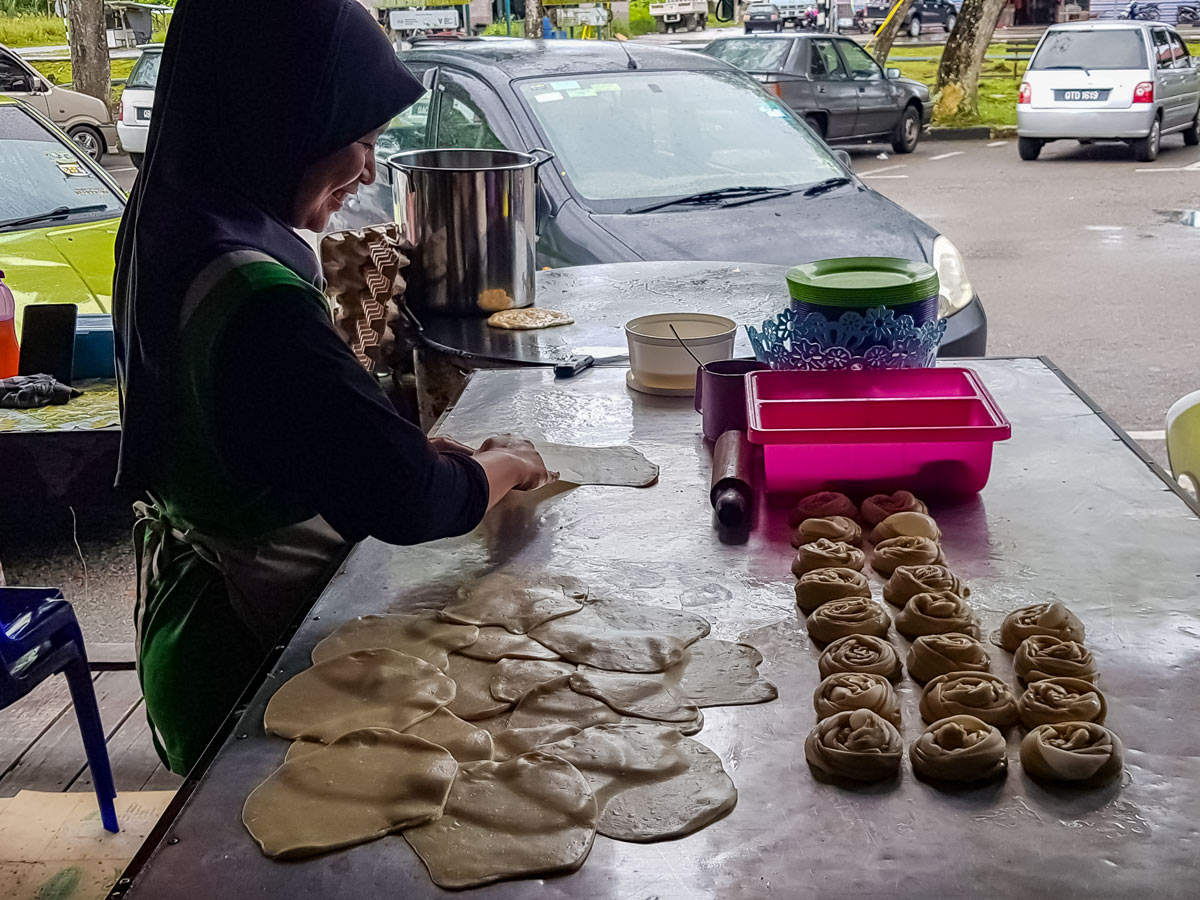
column 362, row 279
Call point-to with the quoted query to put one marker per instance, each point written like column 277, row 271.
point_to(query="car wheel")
column 778, row 28
column 950, row 20
column 914, row 28
column 1191, row 134
column 89, row 140
column 1028, row 148
column 817, row 124
column 1146, row 149
column 136, row 159
column 908, row 131
column 749, row 30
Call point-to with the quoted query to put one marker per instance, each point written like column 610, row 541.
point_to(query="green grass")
column 31, row 31
column 59, row 72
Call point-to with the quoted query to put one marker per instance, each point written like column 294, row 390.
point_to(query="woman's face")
column 327, row 183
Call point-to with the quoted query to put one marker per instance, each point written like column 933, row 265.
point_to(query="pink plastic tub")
column 924, row 430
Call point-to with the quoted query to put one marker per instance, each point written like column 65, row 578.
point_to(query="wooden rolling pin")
column 732, row 492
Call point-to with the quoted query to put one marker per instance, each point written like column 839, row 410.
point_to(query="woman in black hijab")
column 261, row 442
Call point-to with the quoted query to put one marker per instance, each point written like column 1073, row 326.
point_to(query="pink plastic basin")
column 925, row 430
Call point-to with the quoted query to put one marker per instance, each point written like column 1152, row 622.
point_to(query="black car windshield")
column 43, row 173
column 751, row 54
column 1102, row 48
column 630, row 137
column 145, row 71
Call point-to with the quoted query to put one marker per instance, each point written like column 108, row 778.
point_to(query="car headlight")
column 954, row 287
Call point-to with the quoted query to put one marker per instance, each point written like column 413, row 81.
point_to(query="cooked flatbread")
column 364, row 785
column 516, row 603
column 528, row 318
column 651, row 783
column 473, row 697
column 622, row 637
column 515, row 678
column 422, row 634
column 364, row 689
column 495, row 643
column 532, row 815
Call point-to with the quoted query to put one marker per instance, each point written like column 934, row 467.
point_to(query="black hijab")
column 249, row 94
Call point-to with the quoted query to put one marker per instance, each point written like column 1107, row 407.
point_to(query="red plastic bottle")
column 9, row 351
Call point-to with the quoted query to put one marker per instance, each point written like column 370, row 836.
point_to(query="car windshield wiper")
column 707, row 197
column 812, row 190
column 1084, row 69
column 59, row 212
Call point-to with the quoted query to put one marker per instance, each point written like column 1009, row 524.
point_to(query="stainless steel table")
column 1072, row 512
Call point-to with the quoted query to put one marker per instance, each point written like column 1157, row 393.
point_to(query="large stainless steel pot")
column 471, row 216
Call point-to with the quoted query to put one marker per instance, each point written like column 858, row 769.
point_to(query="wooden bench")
column 1018, row 52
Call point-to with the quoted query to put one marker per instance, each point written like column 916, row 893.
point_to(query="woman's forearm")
column 504, row 472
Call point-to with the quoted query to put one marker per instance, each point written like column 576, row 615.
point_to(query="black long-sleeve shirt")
column 301, row 414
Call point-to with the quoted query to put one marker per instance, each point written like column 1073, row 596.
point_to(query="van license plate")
column 143, row 114
column 1081, row 95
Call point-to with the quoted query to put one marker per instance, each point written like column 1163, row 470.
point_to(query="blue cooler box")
column 94, row 348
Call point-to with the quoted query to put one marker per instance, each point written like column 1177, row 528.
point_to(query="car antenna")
column 632, row 64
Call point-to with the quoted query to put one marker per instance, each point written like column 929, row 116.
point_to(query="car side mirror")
column 892, row 73
column 844, row 158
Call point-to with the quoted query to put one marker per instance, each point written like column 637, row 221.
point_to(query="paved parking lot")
column 1080, row 256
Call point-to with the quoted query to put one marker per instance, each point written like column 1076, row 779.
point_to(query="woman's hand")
column 512, row 463
column 449, row 445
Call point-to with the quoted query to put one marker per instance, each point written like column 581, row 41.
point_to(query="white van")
column 86, row 119
column 137, row 100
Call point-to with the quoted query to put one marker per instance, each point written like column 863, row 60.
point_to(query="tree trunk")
column 89, row 49
column 533, row 19
column 883, row 41
column 957, row 91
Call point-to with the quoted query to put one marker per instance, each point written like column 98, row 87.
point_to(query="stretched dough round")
column 822, row 585
column 532, row 815
column 645, row 696
column 979, row 694
column 843, row 691
column 932, row 655
column 856, row 744
column 861, row 653
column 1044, row 656
column 826, row 554
column 961, row 749
column 363, row 689
column 494, row 643
column 623, row 637
column 473, row 698
column 422, row 634
column 878, row 507
column 889, row 555
column 834, row 528
column 651, row 783
column 721, row 673
column 554, row 703
column 514, row 678
column 1053, row 701
column 942, row 612
column 516, row 603
column 906, row 524
column 511, row 742
column 460, row 739
column 1080, row 752
column 854, row 615
column 907, row 581
column 365, row 784
column 821, row 505
column 1041, row 618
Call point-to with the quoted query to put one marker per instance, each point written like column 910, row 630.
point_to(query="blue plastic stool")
column 40, row 637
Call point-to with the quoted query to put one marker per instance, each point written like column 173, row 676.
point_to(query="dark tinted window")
column 1179, row 53
column 42, row 173
column 12, row 76
column 753, row 55
column 824, row 62
column 862, row 66
column 145, row 71
column 1115, row 48
column 460, row 121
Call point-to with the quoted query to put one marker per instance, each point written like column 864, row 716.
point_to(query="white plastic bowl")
column 657, row 360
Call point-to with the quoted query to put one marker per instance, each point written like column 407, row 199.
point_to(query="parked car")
column 835, row 85
column 86, row 119
column 660, row 154
column 922, row 15
column 137, row 100
column 762, row 17
column 1109, row 81
column 59, row 213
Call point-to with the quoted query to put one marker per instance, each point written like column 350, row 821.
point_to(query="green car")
column 59, row 213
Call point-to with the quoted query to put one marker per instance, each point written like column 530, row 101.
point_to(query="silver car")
column 1110, row 81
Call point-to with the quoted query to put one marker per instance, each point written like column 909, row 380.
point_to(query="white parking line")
column 946, row 155
column 1148, row 435
column 123, row 169
column 1194, row 167
column 998, row 144
column 884, row 169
